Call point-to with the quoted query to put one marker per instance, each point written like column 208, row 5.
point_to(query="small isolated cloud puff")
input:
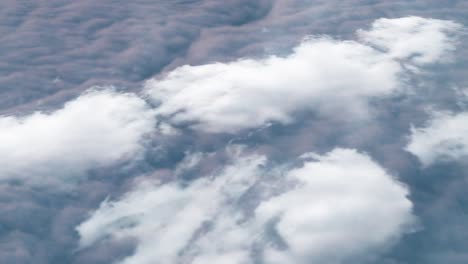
column 419, row 40
column 96, row 129
column 337, row 206
column 444, row 138
column 327, row 76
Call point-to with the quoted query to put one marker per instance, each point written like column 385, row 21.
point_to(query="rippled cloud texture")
column 254, row 132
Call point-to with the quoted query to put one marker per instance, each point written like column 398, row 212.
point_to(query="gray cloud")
column 52, row 48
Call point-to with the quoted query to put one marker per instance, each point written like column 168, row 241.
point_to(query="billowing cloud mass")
column 95, row 129
column 322, row 75
column 335, row 206
column 445, row 137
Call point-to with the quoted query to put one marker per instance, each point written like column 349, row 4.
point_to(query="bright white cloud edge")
column 336, row 206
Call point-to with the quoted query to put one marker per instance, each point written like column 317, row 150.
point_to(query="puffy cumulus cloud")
column 321, row 74
column 331, row 208
column 420, row 40
column 95, row 129
column 327, row 76
column 444, row 137
column 345, row 204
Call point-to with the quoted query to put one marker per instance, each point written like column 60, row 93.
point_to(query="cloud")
column 330, row 77
column 419, row 40
column 444, row 137
column 336, row 206
column 53, row 50
column 96, row 129
column 348, row 204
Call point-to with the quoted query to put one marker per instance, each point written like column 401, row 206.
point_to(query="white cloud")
column 421, row 40
column 96, row 129
column 346, row 205
column 444, row 137
column 331, row 77
column 158, row 214
column 333, row 207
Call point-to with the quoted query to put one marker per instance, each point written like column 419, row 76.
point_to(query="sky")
column 233, row 132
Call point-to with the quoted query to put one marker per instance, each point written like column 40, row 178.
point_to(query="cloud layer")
column 322, row 75
column 335, row 206
column 107, row 141
column 55, row 49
